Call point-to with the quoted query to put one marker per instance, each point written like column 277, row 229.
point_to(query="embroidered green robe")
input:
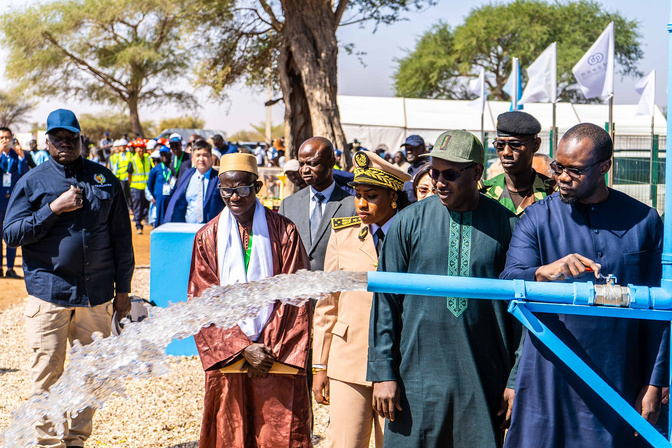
column 496, row 189
column 452, row 357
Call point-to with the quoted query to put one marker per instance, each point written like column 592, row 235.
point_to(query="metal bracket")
column 612, row 398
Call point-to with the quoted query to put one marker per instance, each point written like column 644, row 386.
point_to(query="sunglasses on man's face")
column 243, row 192
column 449, row 175
column 60, row 138
column 515, row 145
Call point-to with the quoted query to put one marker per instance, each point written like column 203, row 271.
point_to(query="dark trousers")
column 140, row 206
column 10, row 251
column 126, row 186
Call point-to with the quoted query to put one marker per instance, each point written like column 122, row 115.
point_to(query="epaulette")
column 341, row 223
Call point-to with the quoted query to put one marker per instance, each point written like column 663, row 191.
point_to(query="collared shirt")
column 77, row 258
column 326, row 193
column 386, row 226
column 496, row 189
column 192, row 194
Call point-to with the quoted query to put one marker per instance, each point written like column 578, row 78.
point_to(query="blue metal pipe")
column 583, row 371
column 666, row 282
column 577, row 293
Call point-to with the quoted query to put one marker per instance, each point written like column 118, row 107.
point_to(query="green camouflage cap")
column 458, row 146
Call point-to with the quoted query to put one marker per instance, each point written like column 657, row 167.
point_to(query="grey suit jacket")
column 297, row 208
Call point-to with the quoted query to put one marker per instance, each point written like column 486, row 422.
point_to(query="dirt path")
column 12, row 291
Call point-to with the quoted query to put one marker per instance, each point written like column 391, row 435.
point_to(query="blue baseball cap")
column 63, row 119
column 163, row 148
column 413, row 140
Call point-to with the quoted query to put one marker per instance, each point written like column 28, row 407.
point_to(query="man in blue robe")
column 586, row 227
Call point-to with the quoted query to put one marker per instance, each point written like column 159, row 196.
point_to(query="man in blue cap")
column 181, row 161
column 70, row 218
column 415, row 147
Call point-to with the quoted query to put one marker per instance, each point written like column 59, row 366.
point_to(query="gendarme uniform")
column 496, row 189
column 523, row 125
column 341, row 325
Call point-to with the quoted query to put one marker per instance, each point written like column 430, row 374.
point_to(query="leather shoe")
column 11, row 274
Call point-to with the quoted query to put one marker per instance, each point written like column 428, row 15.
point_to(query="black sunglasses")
column 449, row 175
column 243, row 192
column 60, row 138
column 513, row 144
column 574, row 173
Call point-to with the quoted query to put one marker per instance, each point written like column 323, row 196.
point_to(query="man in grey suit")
column 316, row 160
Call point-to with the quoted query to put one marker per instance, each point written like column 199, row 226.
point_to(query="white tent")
column 376, row 120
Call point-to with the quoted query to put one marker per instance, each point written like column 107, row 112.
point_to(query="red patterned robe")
column 260, row 412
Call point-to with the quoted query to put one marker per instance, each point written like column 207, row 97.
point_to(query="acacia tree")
column 14, row 109
column 107, row 51
column 294, row 40
column 493, row 34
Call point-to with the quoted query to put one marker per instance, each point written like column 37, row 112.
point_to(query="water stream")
column 96, row 371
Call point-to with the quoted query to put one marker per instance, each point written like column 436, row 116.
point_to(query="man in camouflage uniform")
column 517, row 142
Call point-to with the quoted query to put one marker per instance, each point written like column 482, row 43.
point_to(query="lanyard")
column 248, row 253
column 10, row 162
column 164, row 170
column 178, row 162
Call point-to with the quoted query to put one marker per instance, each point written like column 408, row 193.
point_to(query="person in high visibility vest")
column 138, row 173
column 119, row 160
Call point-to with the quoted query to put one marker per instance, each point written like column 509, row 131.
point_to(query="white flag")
column 542, row 84
column 595, row 71
column 512, row 86
column 477, row 87
column 647, row 88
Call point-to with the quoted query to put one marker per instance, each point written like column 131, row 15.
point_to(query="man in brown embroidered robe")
column 256, row 392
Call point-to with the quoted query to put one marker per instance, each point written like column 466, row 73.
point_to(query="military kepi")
column 371, row 169
column 63, row 119
column 511, row 124
column 238, row 161
column 458, row 146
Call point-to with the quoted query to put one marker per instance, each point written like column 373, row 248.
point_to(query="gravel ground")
column 163, row 412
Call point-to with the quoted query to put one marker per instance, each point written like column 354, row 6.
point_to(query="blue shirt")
column 625, row 237
column 193, row 202
column 77, row 258
column 39, row 157
column 11, row 164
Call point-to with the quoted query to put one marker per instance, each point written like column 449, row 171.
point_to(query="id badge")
column 172, row 182
column 166, row 189
column 7, row 180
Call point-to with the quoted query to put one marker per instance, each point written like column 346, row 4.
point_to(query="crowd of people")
column 404, row 370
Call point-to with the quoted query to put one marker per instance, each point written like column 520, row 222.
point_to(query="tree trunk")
column 136, row 126
column 309, row 35
column 298, row 127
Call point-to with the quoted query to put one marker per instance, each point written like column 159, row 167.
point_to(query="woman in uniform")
column 341, row 335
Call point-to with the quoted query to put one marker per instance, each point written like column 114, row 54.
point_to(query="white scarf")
column 231, row 259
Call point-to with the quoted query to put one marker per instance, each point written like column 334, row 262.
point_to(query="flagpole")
column 554, row 143
column 482, row 128
column 612, row 134
column 653, row 115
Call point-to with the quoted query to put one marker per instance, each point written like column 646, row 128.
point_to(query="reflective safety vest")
column 141, row 169
column 119, row 164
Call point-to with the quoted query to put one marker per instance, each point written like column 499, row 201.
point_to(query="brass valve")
column 611, row 294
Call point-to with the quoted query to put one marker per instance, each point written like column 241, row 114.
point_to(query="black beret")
column 517, row 123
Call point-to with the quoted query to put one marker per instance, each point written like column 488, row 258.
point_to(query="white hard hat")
column 151, row 144
column 139, row 312
column 156, row 154
column 175, row 137
column 120, row 142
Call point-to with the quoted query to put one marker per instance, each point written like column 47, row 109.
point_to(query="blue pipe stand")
column 526, row 298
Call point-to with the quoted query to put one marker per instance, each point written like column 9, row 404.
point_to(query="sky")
column 370, row 74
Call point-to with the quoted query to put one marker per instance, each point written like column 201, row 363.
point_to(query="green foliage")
column 14, row 108
column 241, row 41
column 185, row 122
column 493, row 34
column 257, row 133
column 117, row 124
column 109, row 51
